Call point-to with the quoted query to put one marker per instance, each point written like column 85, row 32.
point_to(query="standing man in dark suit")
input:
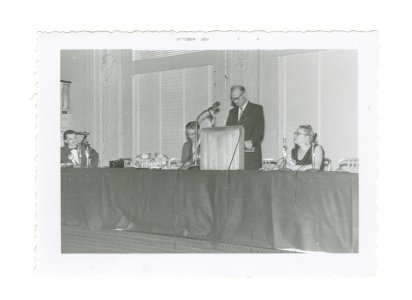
column 74, row 155
column 188, row 148
column 249, row 115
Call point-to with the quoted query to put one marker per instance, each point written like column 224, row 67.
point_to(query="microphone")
column 284, row 151
column 284, row 147
column 82, row 133
column 315, row 135
column 214, row 106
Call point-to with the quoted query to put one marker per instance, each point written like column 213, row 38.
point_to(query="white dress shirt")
column 241, row 110
column 75, row 154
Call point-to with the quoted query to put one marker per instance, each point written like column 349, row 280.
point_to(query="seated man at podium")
column 188, row 149
column 250, row 116
column 75, row 155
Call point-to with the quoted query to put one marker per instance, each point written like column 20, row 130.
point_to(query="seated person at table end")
column 300, row 157
column 69, row 153
column 189, row 147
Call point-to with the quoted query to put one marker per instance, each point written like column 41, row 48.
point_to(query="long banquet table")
column 310, row 211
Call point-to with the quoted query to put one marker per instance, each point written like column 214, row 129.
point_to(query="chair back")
column 327, row 164
column 349, row 165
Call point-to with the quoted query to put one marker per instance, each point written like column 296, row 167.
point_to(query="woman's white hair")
column 309, row 131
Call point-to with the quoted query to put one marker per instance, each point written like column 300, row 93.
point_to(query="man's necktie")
column 75, row 153
column 240, row 113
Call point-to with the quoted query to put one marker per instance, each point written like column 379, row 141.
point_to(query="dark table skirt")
column 279, row 209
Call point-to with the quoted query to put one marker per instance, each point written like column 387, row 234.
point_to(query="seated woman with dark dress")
column 300, row 158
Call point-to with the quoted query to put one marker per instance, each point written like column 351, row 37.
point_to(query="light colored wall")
column 101, row 98
column 268, row 86
column 339, row 103
column 258, row 71
column 294, row 87
column 75, row 67
column 320, row 88
column 169, row 92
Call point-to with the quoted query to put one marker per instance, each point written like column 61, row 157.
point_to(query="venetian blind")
column 338, row 69
column 148, row 106
column 320, row 88
column 164, row 102
column 171, row 112
column 152, row 54
column 198, row 93
column 300, row 93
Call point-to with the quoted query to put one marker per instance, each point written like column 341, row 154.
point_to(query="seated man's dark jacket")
column 65, row 152
column 187, row 155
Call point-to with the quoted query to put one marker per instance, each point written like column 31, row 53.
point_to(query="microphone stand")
column 313, row 152
column 79, row 150
column 195, row 158
column 197, row 131
column 212, row 118
column 313, row 156
column 86, row 143
column 284, row 152
column 313, row 144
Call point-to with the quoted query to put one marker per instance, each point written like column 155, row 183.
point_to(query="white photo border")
column 49, row 258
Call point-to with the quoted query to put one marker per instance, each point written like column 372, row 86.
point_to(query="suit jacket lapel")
column 245, row 112
column 191, row 150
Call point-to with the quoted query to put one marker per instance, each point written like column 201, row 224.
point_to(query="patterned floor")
column 77, row 240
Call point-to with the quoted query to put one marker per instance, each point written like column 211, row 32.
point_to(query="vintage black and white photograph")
column 182, row 150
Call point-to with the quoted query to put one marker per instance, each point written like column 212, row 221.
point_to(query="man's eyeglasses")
column 299, row 133
column 237, row 98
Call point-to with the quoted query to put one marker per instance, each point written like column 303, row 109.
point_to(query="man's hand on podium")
column 248, row 144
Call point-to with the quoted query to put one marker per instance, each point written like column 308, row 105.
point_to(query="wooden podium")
column 218, row 146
